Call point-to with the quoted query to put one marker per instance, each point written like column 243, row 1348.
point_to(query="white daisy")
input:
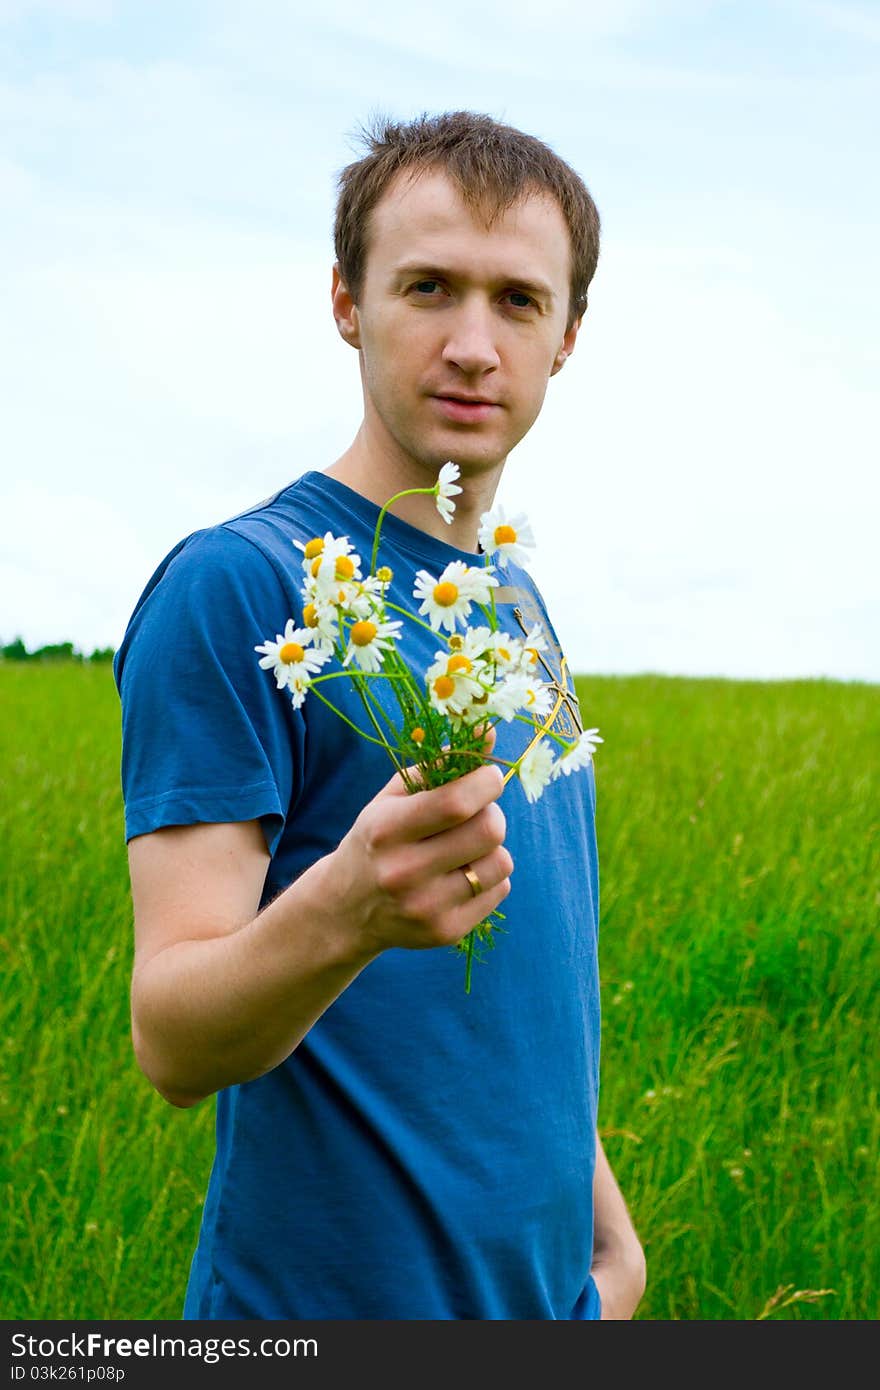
column 290, row 656
column 536, row 769
column 475, row 642
column 509, row 695
column 367, row 640
column 322, row 621
column 358, row 598
column 579, row 755
column 336, row 565
column 446, row 490
column 482, row 644
column 298, row 687
column 533, row 642
column 450, row 597
column 367, row 595
column 312, row 549
column 511, row 537
column 454, row 683
column 539, row 697
column 508, row 652
column 477, row 581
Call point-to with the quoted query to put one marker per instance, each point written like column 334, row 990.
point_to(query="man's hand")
column 618, row 1267
column 397, row 873
column 222, row 992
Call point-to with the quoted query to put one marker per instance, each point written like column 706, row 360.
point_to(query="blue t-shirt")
column 423, row 1153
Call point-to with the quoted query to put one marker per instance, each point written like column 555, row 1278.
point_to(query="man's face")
column 459, row 327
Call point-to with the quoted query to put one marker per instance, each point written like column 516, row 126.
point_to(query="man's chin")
column 469, row 452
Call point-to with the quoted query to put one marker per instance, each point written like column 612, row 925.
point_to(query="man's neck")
column 380, row 478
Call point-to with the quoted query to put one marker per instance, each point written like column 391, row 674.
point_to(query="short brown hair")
column 494, row 167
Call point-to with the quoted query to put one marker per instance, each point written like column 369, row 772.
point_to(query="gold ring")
column 475, row 884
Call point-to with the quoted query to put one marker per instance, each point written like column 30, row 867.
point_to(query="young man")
column 388, row 1146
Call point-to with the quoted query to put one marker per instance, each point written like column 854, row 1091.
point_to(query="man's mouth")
column 467, row 409
column 466, row 400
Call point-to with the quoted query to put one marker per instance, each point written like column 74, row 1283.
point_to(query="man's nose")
column 471, row 342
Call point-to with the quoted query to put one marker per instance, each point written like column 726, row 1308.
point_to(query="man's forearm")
column 618, row 1258
column 210, row 1013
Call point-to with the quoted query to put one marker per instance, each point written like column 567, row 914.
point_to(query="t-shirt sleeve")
column 206, row 734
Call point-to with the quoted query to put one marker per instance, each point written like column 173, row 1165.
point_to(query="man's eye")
column 520, row 300
column 426, row 286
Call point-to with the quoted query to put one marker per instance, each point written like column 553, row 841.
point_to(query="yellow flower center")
column 480, row 699
column 504, row 653
column 314, row 547
column 533, row 654
column 363, row 633
column 418, row 735
column 291, row 652
column 445, row 594
column 504, row 535
column 310, row 615
column 444, row 686
column 344, row 566
column 456, row 642
column 385, row 574
column 457, row 663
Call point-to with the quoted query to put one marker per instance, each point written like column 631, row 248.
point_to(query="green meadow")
column 740, row 953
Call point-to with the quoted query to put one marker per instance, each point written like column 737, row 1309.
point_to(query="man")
column 388, row 1146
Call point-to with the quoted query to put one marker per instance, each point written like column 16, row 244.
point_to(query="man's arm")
column 618, row 1259
column 222, row 993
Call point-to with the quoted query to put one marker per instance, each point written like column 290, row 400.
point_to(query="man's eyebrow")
column 436, row 272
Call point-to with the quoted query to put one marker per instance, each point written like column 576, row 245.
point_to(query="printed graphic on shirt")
column 526, row 613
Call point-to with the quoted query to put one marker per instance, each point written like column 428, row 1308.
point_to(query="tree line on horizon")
column 56, row 651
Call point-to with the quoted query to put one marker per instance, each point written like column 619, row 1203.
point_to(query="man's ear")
column 566, row 347
column 345, row 311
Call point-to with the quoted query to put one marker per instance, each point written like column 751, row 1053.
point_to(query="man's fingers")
column 397, row 783
column 439, row 808
column 435, row 809
column 489, row 742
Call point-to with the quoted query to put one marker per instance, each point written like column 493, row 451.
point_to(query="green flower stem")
column 364, row 675
column 362, row 692
column 356, row 676
column 345, row 718
column 542, row 728
column 397, row 677
column 524, row 719
column 489, row 613
column 360, row 680
column 494, row 623
column 406, row 676
column 427, row 626
column 408, row 492
column 427, row 714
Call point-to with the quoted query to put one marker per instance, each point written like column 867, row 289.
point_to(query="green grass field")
column 740, row 898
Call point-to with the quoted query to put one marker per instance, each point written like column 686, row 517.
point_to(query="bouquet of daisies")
column 480, row 674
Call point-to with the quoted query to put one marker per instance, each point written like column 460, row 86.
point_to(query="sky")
column 702, row 482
